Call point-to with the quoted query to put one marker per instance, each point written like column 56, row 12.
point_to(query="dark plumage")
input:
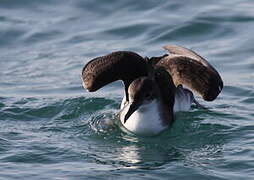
column 156, row 81
column 185, row 66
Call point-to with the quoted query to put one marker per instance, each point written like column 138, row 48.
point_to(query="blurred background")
column 52, row 128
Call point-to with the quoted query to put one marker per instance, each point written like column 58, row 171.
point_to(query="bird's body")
column 147, row 120
column 154, row 86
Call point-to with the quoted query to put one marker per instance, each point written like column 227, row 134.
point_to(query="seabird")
column 156, row 87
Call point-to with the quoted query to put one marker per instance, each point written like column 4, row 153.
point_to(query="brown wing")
column 120, row 65
column 193, row 71
column 178, row 50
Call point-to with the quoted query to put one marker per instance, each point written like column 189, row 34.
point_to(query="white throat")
column 145, row 121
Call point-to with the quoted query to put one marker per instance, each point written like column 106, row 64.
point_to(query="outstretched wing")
column 191, row 70
column 120, row 65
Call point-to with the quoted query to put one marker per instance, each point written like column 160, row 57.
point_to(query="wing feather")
column 191, row 70
column 120, row 65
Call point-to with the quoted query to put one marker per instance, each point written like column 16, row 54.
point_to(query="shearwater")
column 156, row 87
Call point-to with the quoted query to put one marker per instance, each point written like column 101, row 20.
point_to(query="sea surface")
column 51, row 128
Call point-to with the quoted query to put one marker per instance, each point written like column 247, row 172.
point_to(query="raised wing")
column 191, row 70
column 120, row 65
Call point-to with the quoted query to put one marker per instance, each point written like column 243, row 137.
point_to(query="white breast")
column 145, row 121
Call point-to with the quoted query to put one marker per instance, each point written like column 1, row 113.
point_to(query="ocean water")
column 50, row 128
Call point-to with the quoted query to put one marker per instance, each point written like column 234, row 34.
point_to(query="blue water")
column 52, row 129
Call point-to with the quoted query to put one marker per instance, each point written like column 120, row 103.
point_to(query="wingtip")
column 86, row 87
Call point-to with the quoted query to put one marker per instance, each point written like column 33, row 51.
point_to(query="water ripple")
column 49, row 124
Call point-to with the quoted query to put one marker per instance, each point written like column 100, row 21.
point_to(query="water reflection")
column 145, row 157
column 192, row 141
